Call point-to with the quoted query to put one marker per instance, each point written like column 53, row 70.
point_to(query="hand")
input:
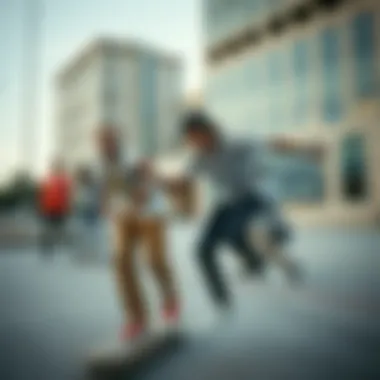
column 139, row 197
column 287, row 145
column 104, row 209
column 146, row 168
column 317, row 152
column 284, row 144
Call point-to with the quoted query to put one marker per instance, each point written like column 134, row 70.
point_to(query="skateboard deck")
column 123, row 358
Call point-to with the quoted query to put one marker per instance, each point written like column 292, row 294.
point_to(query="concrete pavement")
column 54, row 311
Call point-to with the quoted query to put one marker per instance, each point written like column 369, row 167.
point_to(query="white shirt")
column 119, row 201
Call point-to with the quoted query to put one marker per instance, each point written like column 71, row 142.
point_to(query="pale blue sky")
column 68, row 24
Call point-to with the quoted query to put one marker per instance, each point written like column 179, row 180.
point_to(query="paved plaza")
column 54, row 311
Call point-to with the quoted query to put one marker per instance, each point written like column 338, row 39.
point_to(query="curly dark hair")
column 199, row 122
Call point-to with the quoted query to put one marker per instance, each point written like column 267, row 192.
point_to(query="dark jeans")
column 228, row 225
column 53, row 230
column 89, row 216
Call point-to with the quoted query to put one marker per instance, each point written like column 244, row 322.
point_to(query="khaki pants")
column 131, row 231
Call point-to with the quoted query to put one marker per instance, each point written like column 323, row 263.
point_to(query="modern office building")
column 133, row 87
column 310, row 70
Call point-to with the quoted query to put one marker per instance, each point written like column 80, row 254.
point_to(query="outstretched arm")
column 285, row 145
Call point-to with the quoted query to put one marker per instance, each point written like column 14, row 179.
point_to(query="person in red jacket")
column 54, row 204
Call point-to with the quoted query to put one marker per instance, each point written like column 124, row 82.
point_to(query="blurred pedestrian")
column 87, row 202
column 135, row 206
column 54, row 206
column 235, row 170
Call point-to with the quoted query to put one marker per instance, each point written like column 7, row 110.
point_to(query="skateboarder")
column 234, row 168
column 136, row 209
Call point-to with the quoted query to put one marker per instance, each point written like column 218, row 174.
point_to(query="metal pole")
column 30, row 84
column 5, row 12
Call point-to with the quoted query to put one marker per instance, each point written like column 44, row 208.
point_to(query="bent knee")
column 205, row 251
column 159, row 262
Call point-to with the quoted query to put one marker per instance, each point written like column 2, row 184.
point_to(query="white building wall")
column 120, row 86
column 78, row 113
column 105, row 87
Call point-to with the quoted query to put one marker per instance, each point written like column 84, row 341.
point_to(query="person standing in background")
column 87, row 202
column 135, row 207
column 55, row 196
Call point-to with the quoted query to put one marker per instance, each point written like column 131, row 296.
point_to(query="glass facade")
column 264, row 81
column 277, row 90
column 301, row 70
column 255, row 120
column 235, row 93
column 224, row 17
column 332, row 93
column 362, row 30
column 276, row 77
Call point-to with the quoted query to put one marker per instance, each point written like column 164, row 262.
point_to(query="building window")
column 332, row 108
column 276, row 78
column 354, row 173
column 363, row 39
column 301, row 72
column 148, row 105
column 111, row 89
column 223, row 17
column 254, row 83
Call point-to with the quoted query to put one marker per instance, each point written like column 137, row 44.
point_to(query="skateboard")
column 124, row 358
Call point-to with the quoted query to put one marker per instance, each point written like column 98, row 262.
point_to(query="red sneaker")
column 171, row 312
column 132, row 330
